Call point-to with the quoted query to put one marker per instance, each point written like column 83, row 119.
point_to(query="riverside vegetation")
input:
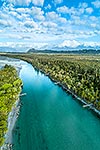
column 80, row 74
column 10, row 88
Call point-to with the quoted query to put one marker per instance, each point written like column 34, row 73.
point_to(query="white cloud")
column 75, row 44
column 81, row 11
column 38, row 2
column 35, row 24
column 34, row 12
column 93, row 25
column 39, row 45
column 24, row 46
column 63, row 9
column 25, row 2
column 70, row 43
column 96, row 3
column 52, row 15
column 13, row 14
column 22, row 10
column 76, row 20
column 19, row 2
column 58, row 1
column 62, row 20
column 71, row 11
column 14, row 37
column 93, row 44
column 49, row 24
column 37, row 13
column 48, row 6
column 22, row 2
column 83, row 5
column 93, row 18
column 56, row 18
column 3, row 15
column 1, row 31
column 44, row 45
column 30, row 24
column 5, row 23
column 89, row 10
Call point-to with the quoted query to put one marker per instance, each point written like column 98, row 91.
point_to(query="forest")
column 80, row 74
column 10, row 88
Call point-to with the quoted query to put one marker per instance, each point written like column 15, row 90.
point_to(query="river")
column 51, row 119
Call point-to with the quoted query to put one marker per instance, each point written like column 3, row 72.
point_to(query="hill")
column 83, row 51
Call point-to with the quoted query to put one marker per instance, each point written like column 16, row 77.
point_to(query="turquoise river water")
column 51, row 119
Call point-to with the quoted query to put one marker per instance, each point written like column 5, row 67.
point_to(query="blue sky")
column 49, row 23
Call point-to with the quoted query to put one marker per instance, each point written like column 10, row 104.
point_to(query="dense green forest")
column 10, row 88
column 80, row 74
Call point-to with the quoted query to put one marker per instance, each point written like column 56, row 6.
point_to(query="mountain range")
column 55, row 49
column 83, row 51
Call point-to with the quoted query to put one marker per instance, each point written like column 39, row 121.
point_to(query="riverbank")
column 92, row 108
column 64, row 87
column 15, row 107
column 40, row 61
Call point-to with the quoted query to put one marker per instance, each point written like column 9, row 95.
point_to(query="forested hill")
column 84, row 51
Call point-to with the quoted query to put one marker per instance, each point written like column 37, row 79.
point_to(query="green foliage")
column 79, row 73
column 10, row 86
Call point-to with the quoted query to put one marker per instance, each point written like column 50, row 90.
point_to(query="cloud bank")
column 54, row 23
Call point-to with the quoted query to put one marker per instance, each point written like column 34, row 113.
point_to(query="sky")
column 49, row 23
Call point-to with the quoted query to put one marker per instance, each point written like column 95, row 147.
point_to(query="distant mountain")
column 15, row 49
column 78, row 50
column 32, row 50
column 7, row 49
column 83, row 51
